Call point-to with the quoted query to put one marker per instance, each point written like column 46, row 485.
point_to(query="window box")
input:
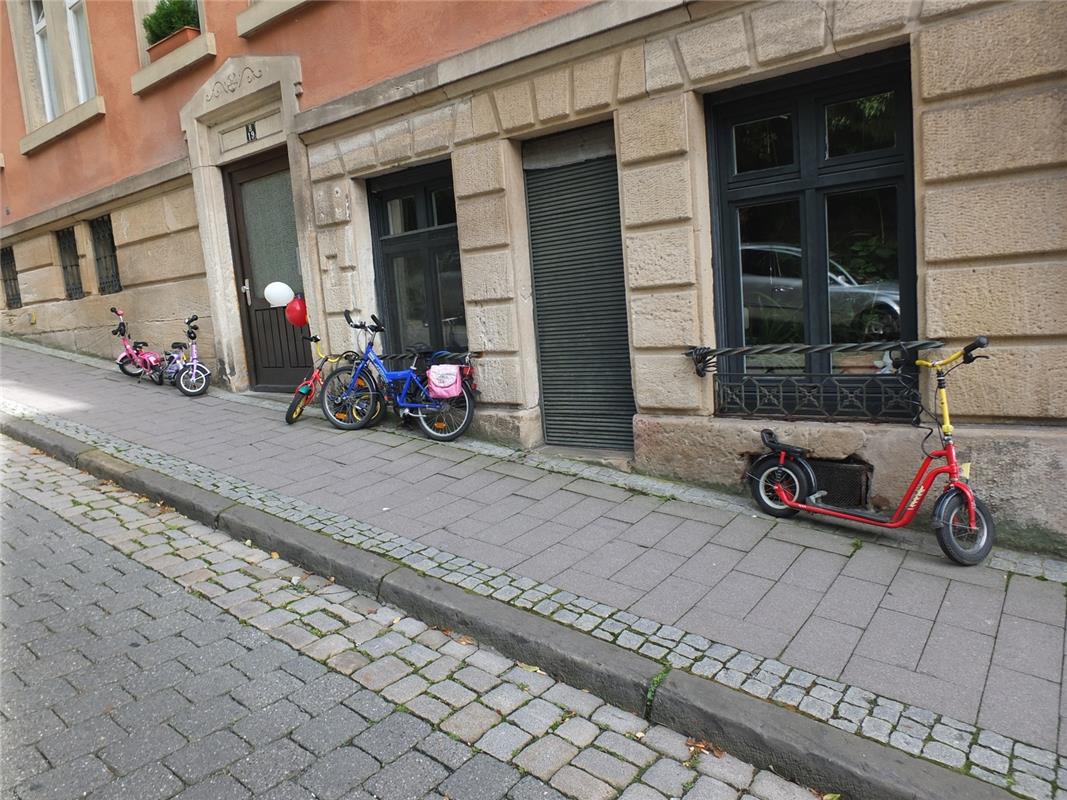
column 172, row 42
column 201, row 48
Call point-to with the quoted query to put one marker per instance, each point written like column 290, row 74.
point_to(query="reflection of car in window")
column 774, row 299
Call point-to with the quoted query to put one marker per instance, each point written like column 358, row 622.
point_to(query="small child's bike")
column 135, row 361
column 183, row 367
column 783, row 482
column 305, row 392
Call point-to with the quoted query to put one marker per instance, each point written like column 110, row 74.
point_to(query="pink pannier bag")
column 443, row 381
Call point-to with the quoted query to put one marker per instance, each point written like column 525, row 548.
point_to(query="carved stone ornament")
column 232, row 82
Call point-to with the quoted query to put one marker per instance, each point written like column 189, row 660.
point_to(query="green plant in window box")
column 168, row 17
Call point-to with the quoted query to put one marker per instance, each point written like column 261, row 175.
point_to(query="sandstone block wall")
column 160, row 266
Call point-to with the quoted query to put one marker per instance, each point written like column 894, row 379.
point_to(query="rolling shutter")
column 580, row 302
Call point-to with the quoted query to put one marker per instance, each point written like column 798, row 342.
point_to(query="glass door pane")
column 772, row 283
column 450, row 289
column 864, row 272
column 412, row 310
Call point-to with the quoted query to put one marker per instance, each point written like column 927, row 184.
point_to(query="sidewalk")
column 981, row 646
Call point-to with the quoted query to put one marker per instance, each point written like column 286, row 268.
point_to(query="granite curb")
column 796, row 747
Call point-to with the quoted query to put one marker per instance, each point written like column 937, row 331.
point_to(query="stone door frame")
column 261, row 92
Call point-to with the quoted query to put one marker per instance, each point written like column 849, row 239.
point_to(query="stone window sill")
column 62, row 125
column 188, row 55
column 262, row 13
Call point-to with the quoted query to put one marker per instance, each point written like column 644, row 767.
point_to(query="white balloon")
column 278, row 294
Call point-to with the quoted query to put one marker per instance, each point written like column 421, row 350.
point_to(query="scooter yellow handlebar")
column 965, row 353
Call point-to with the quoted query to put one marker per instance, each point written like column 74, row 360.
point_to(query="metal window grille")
column 11, row 279
column 68, row 259
column 107, row 265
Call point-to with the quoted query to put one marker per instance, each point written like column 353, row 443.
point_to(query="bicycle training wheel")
column 451, row 419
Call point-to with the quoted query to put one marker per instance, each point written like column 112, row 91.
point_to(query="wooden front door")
column 263, row 229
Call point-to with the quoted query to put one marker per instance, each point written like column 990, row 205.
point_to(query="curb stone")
column 799, row 748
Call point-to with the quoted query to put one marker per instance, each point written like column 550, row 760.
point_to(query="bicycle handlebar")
column 978, row 343
column 377, row 327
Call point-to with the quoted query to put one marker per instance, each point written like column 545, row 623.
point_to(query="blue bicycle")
column 351, row 403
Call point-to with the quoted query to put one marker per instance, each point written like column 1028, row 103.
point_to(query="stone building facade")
column 980, row 160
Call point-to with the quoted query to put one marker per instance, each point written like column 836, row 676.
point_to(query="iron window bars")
column 68, row 259
column 107, row 266
column 880, row 397
column 12, row 295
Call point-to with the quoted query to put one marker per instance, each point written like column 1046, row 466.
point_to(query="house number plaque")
column 250, row 132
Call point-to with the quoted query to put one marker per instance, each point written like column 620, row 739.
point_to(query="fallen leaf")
column 639, row 734
column 530, row 668
column 718, row 752
column 248, row 542
column 274, row 554
column 446, row 631
column 333, row 579
column 464, row 639
column 832, row 796
column 295, row 580
column 396, row 620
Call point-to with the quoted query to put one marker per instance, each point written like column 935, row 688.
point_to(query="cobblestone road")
column 121, row 681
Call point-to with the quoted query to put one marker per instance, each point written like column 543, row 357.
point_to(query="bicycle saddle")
column 770, row 441
column 140, row 344
column 177, row 345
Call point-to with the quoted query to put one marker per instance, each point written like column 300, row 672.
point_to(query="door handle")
column 247, row 292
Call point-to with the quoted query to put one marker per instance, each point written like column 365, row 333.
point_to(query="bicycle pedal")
column 816, row 497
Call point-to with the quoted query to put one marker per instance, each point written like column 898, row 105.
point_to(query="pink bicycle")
column 135, row 361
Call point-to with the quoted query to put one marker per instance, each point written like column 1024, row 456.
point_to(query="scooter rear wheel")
column 764, row 478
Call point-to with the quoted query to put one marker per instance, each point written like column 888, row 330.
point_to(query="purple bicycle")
column 183, row 368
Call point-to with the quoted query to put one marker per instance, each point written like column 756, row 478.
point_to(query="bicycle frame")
column 391, row 379
column 146, row 360
column 311, row 384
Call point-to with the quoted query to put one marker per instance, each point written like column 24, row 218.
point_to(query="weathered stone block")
column 657, row 193
column 1011, row 43
column 179, row 209
column 475, row 119
column 175, row 255
column 1006, row 133
column 552, row 95
column 661, row 67
column 788, row 29
column 493, row 328
column 858, row 18
column 478, row 168
column 393, row 142
column 715, row 48
column 41, row 285
column 500, row 379
column 670, row 319
column 141, row 220
column 660, row 258
column 514, row 104
column 332, row 202
column 34, row 252
column 935, row 8
column 324, row 161
column 357, row 152
column 665, row 382
column 631, row 73
column 1017, row 300
column 482, row 221
column 652, row 129
column 432, row 131
column 1006, row 217
column 594, row 83
column 488, row 275
column 515, row 427
column 993, row 389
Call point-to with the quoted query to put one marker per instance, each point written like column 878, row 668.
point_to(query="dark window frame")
column 421, row 182
column 70, row 263
column 10, row 275
column 808, row 180
column 107, row 265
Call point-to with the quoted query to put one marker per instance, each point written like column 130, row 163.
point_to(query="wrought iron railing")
column 887, row 396
column 107, row 265
column 12, row 295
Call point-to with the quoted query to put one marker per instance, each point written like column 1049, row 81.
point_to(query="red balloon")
column 297, row 312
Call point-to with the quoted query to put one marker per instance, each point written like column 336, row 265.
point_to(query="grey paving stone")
column 481, row 778
column 205, row 756
column 769, row 786
column 1020, row 706
column 392, row 737
column 629, row 749
column 478, row 680
column 269, row 723
column 503, row 741
column 334, row 775
column 530, row 788
column 470, row 722
column 1035, row 648
column 546, row 756
column 618, row 720
column 1041, row 601
column 537, row 716
column 329, row 730
column 639, row 791
column 132, row 752
column 379, row 674
column 408, row 778
column 580, row 702
column 580, row 785
column 271, row 765
column 445, row 749
column 608, row 768
column 669, row 776
column 874, row 563
column 219, row 787
column 710, row 789
column 894, row 638
column 578, row 731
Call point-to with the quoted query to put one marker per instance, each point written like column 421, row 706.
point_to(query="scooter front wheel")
column 766, row 475
column 958, row 540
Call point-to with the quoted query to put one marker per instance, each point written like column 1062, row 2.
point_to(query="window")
column 45, row 71
column 78, row 29
column 107, row 265
column 417, row 257
column 814, row 203
column 68, row 259
column 12, row 296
